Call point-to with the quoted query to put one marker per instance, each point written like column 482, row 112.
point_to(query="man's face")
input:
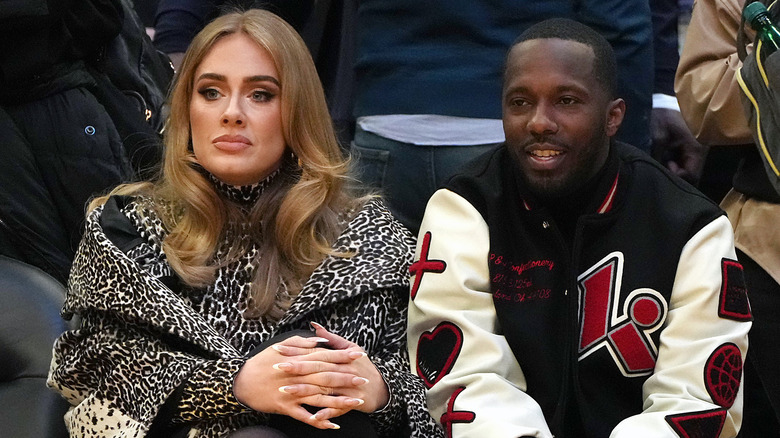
column 557, row 117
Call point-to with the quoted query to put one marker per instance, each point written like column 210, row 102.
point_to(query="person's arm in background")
column 178, row 21
column 673, row 143
column 705, row 83
column 627, row 25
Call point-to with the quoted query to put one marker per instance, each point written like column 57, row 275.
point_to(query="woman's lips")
column 231, row 143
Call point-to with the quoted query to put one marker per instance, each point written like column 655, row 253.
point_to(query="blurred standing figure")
column 711, row 102
column 429, row 84
column 59, row 144
column 674, row 145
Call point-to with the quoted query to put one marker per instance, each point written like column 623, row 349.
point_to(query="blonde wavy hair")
column 297, row 218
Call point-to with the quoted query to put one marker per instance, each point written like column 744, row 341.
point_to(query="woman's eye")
column 209, row 93
column 262, row 95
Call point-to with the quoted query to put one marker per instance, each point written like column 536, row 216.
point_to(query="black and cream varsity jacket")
column 636, row 329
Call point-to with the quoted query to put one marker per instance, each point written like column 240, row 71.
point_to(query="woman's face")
column 235, row 112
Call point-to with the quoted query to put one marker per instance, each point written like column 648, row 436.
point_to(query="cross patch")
column 453, row 416
column 424, row 265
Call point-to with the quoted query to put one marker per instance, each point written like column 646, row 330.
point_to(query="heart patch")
column 437, row 351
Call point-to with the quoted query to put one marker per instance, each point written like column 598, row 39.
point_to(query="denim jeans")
column 406, row 175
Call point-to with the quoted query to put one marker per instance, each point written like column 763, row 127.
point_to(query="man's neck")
column 585, row 199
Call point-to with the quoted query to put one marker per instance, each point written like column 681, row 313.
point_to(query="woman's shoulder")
column 125, row 218
column 373, row 221
column 373, row 253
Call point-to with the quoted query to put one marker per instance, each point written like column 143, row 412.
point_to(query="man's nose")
column 542, row 121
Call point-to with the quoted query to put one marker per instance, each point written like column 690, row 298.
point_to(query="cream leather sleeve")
column 475, row 386
column 696, row 382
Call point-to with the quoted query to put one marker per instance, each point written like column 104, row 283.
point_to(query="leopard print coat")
column 140, row 340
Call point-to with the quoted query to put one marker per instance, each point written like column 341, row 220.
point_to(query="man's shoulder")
column 484, row 173
column 655, row 186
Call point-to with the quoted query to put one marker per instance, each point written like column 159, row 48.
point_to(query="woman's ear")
column 616, row 110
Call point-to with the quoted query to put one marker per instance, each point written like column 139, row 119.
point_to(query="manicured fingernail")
column 359, row 381
column 318, row 339
column 279, row 348
column 287, row 389
column 333, row 426
column 357, row 354
column 315, row 417
column 355, row 401
column 316, row 325
column 284, row 366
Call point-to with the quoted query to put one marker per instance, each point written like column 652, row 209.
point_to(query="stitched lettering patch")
column 734, row 302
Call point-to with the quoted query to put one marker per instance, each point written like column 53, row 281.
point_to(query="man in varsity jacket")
column 566, row 284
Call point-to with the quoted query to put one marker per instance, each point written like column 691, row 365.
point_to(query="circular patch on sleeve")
column 723, row 373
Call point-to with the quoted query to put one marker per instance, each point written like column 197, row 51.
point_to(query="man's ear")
column 616, row 110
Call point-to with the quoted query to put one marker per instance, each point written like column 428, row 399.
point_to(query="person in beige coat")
column 711, row 103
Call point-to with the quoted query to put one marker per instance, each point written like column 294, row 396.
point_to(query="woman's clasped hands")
column 326, row 371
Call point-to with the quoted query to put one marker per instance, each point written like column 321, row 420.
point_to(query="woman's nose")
column 233, row 113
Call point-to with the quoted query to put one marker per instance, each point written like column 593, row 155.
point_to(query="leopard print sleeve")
column 208, row 393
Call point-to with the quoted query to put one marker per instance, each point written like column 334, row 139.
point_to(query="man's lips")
column 544, row 153
column 231, row 143
column 545, row 156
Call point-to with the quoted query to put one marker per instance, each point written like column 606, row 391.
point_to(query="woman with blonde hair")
column 204, row 295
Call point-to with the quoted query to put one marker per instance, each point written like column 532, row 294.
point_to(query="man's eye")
column 518, row 102
column 568, row 100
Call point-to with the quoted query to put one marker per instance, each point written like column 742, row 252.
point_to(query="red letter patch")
column 625, row 334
